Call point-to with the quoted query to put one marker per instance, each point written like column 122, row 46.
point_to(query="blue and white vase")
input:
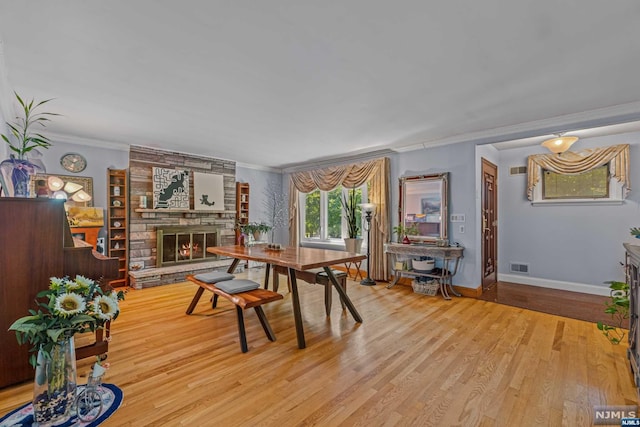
column 15, row 176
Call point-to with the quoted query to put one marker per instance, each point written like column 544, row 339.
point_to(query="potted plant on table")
column 255, row 229
column 15, row 172
column 403, row 232
column 351, row 207
column 67, row 307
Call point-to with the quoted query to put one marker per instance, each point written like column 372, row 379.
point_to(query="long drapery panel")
column 352, row 175
column 571, row 163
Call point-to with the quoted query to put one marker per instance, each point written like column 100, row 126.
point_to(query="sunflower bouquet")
column 69, row 306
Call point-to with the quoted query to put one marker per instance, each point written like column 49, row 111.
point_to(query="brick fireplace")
column 144, row 222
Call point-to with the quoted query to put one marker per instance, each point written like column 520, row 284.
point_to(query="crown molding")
column 338, row 160
column 258, row 167
column 91, row 142
column 601, row 117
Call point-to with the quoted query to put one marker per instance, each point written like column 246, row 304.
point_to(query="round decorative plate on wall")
column 73, row 162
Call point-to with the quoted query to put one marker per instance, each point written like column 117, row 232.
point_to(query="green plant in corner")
column 618, row 308
column 635, row 231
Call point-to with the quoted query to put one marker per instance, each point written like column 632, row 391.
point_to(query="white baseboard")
column 555, row 284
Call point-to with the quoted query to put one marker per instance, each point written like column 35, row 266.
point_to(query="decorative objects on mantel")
column 15, row 171
column 67, row 307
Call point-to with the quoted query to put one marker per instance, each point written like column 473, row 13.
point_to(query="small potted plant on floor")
column 618, row 308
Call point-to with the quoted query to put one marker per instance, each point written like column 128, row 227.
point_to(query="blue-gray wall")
column 259, row 180
column 574, row 247
column 459, row 161
column 98, row 160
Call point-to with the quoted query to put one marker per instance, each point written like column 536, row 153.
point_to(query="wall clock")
column 73, row 162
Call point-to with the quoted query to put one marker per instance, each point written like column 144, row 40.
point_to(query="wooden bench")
column 314, row 275
column 243, row 300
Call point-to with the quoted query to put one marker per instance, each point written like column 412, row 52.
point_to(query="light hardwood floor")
column 414, row 361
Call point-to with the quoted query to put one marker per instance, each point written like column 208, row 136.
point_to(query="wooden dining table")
column 294, row 258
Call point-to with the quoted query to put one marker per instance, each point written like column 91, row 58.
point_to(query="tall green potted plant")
column 350, row 206
column 16, row 171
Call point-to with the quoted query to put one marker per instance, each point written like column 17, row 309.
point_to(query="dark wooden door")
column 489, row 217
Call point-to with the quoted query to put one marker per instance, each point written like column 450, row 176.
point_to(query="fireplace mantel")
column 140, row 210
column 150, row 213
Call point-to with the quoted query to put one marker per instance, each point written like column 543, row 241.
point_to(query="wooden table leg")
column 295, row 300
column 267, row 270
column 343, row 295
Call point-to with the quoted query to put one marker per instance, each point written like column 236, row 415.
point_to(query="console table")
column 449, row 255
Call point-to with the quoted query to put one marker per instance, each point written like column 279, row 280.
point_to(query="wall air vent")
column 519, row 268
column 517, row 170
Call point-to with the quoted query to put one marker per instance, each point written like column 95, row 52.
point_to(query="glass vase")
column 54, row 388
column 15, row 176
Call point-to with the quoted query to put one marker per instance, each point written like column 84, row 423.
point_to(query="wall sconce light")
column 70, row 190
column 55, row 183
column 81, row 196
column 560, row 143
column 72, row 187
column 368, row 209
column 59, row 195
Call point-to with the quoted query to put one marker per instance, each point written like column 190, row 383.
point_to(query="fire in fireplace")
column 185, row 244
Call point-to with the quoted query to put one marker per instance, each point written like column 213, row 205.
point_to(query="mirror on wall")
column 423, row 206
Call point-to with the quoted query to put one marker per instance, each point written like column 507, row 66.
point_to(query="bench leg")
column 243, row 335
column 265, row 323
column 195, row 300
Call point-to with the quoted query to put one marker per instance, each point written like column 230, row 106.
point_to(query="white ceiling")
column 282, row 82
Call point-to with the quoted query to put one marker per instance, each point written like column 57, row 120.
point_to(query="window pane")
column 334, row 213
column 592, row 184
column 312, row 215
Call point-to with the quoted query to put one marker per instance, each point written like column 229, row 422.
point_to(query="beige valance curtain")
column 352, row 175
column 570, row 163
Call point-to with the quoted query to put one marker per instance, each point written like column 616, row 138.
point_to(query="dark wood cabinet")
column 36, row 244
column 633, row 279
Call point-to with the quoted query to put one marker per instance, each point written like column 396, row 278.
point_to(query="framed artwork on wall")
column 170, row 188
column 208, row 191
column 76, row 190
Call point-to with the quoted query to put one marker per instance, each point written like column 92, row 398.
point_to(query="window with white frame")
column 322, row 216
column 597, row 175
